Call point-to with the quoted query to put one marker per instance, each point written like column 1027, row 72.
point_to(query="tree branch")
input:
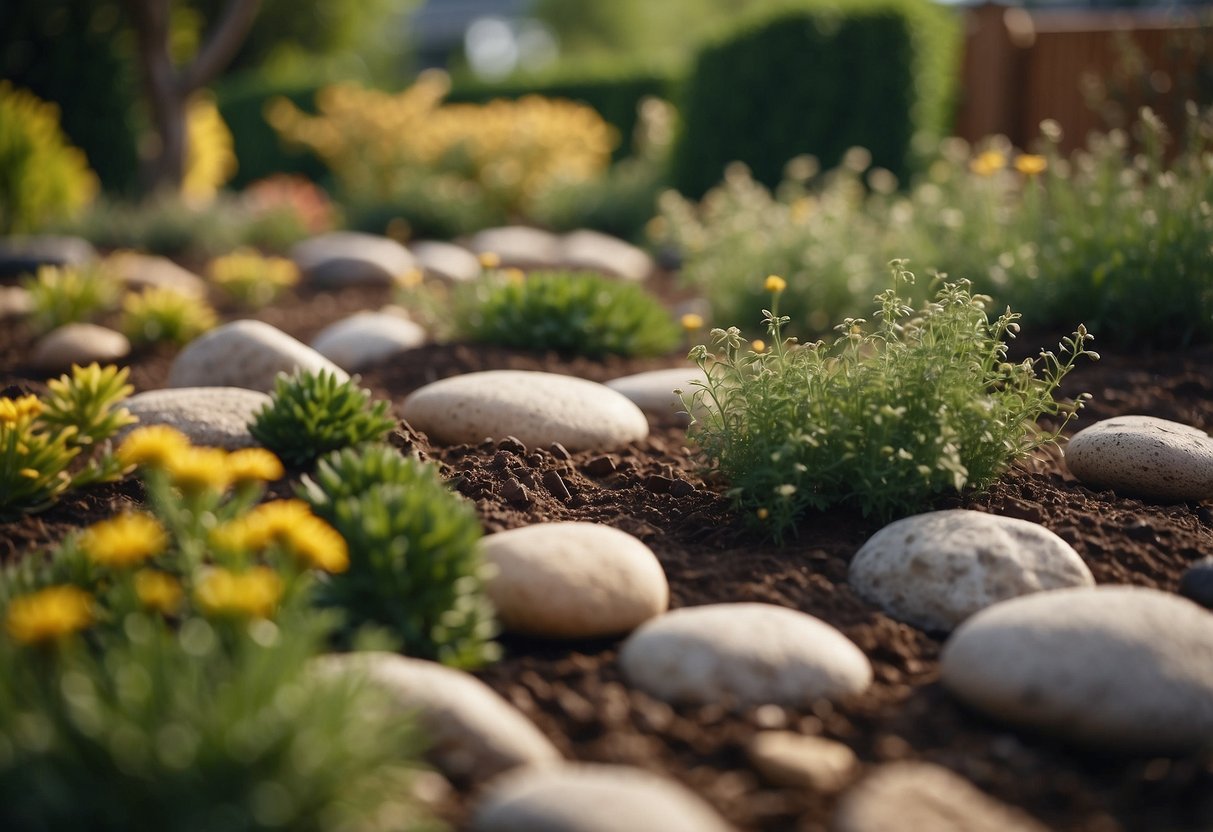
column 220, row 47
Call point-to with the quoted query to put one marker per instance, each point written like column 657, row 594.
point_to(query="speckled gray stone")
column 247, row 354
column 519, row 246
column 211, row 416
column 592, row 798
column 1144, row 456
column 912, row 796
column 473, row 733
column 367, row 338
column 1116, row 666
column 445, row 261
column 573, row 580
column 351, row 258
column 537, row 408
column 934, row 570
column 653, row 391
column 78, row 343
column 743, row 654
column 598, row 252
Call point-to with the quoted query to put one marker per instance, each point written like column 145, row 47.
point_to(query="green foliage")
column 69, row 294
column 884, row 420
column 570, row 312
column 312, row 413
column 425, row 207
column 159, row 315
column 415, row 565
column 816, row 78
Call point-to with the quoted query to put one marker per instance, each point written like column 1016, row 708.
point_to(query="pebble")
column 366, row 338
column 473, row 733
column 1197, row 582
column 80, row 344
column 15, row 302
column 743, row 654
column 1112, row 666
column 602, row 253
column 1144, row 456
column 445, row 261
column 537, row 408
column 592, row 797
column 912, row 796
column 351, row 258
column 653, row 391
column 247, row 354
column 934, row 570
column 800, row 761
column 23, row 255
column 145, row 271
column 211, row 416
column 519, row 246
column 573, row 580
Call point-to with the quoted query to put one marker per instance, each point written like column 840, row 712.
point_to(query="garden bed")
column 653, row 490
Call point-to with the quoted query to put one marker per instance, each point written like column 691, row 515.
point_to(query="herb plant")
column 312, row 413
column 158, row 315
column 415, row 565
column 252, row 279
column 69, row 295
column 881, row 420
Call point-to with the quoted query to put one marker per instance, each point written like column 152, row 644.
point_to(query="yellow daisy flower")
column 988, row 163
column 124, row 541
column 1030, row 164
column 194, row 470
column 774, row 284
column 49, row 614
column 251, row 594
column 158, row 591
column 254, row 465
column 153, row 446
column 691, row 322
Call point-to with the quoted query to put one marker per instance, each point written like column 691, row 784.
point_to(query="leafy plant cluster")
column 251, row 278
column 881, row 418
column 155, row 668
column 57, row 442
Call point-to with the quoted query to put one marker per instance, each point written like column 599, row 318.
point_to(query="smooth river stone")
column 212, row 416
column 913, row 796
column 934, row 570
column 145, row 271
column 472, row 732
column 22, row 255
column 351, row 258
column 519, row 246
column 653, row 391
column 445, row 261
column 573, row 580
column 801, row 761
column 536, row 408
column 589, row 797
column 15, row 302
column 598, row 252
column 247, row 354
column 1145, row 457
column 366, row 338
column 80, row 344
column 1112, row 666
column 743, row 654
column 1196, row 583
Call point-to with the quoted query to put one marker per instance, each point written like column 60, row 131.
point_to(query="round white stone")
column 801, row 761
column 247, row 354
column 592, row 798
column 351, row 258
column 743, row 654
column 913, row 796
column 446, row 261
column 1144, row 456
column 145, row 271
column 366, row 338
column 78, row 343
column 598, row 252
column 1117, row 666
column 653, row 391
column 15, row 302
column 537, row 408
column 216, row 417
column 519, row 246
column 573, row 580
column 472, row 732
column 934, row 570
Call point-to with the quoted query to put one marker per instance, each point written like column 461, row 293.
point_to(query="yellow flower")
column 48, row 614
column 1030, row 164
column 194, row 470
column 158, row 591
column 251, row 594
column 515, row 276
column 291, row 525
column 153, row 446
column 988, row 163
column 126, row 540
column 763, row 513
column 692, row 322
column 758, row 345
column 253, row 465
column 774, row 284
column 20, row 411
column 489, row 260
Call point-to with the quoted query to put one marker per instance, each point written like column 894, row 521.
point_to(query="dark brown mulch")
column 654, row 490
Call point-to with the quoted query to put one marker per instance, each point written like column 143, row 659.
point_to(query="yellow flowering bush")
column 210, row 158
column 161, row 315
column 253, row 279
column 69, row 294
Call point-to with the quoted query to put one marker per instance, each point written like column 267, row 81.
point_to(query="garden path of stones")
column 1022, row 659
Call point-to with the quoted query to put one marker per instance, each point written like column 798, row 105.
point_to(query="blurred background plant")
column 158, row 315
column 250, row 278
column 70, row 294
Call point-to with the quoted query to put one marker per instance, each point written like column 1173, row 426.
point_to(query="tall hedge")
column 817, row 79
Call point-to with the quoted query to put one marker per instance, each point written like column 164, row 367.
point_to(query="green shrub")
column 884, row 420
column 69, row 294
column 160, row 315
column 415, row 566
column 816, row 79
column 313, row 413
column 570, row 312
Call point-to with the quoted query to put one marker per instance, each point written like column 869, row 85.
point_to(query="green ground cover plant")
column 70, row 294
column 883, row 418
column 159, row 315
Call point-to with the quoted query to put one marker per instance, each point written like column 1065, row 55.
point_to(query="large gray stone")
column 1144, row 456
column 144, row 271
column 519, row 246
column 653, row 391
column 247, row 354
column 445, row 261
column 80, row 344
column 24, row 254
column 366, row 338
column 351, row 258
column 210, row 416
column 598, row 252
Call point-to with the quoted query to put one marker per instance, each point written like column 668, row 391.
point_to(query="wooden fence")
column 1023, row 66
